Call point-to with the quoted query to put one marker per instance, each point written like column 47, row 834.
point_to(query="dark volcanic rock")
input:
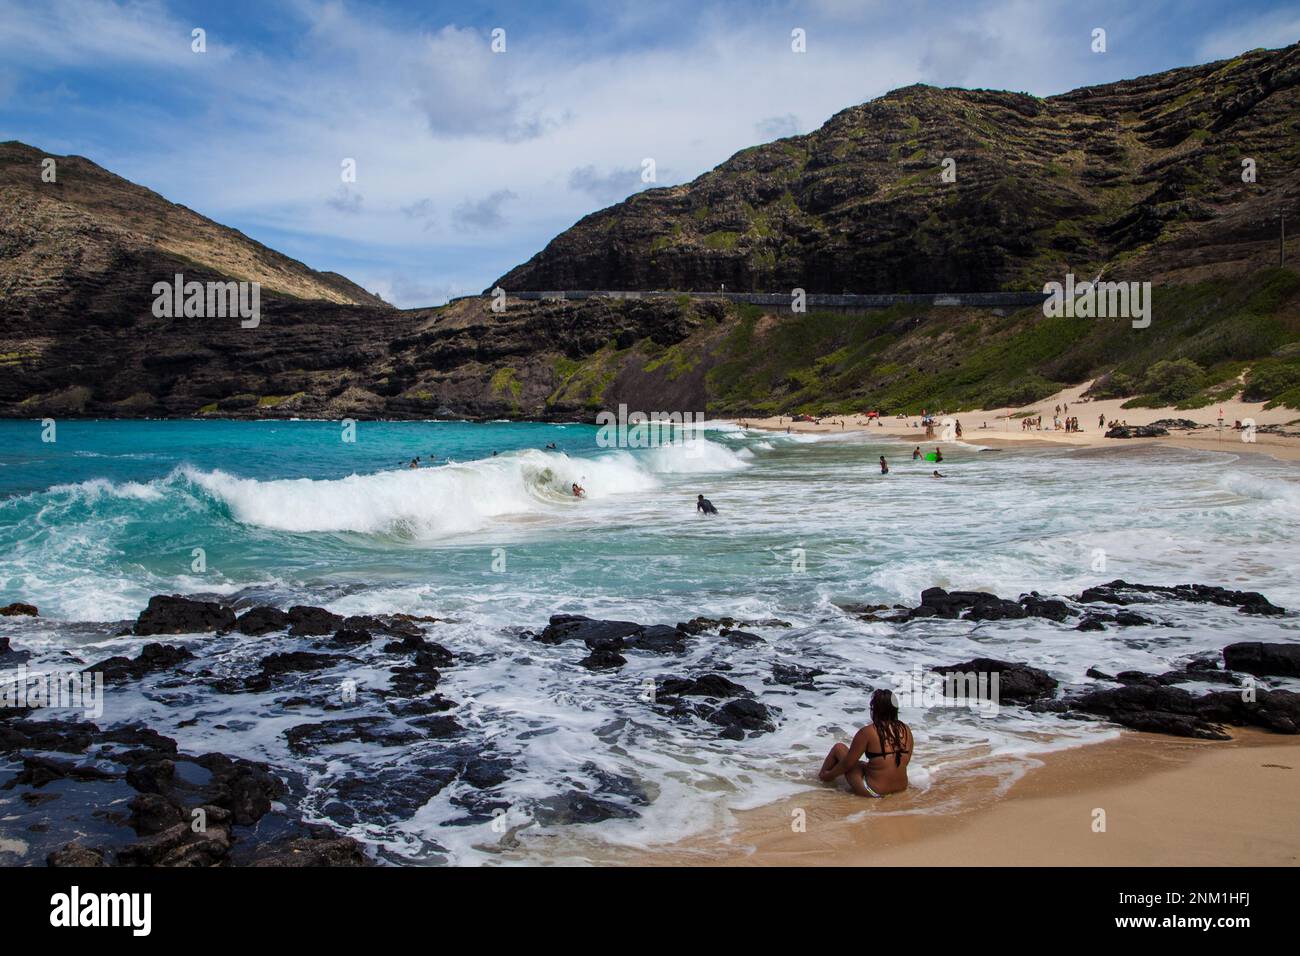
column 305, row 738
column 1054, row 609
column 298, row 661
column 350, row 637
column 1137, row 431
column 743, row 638
column 179, row 615
column 485, row 773
column 699, row 625
column 183, row 809
column 577, row 807
column 1172, row 710
column 153, row 657
column 708, row 685
column 793, row 675
column 37, row 771
column 575, row 627
column 74, row 854
column 64, row 736
column 332, row 850
column 262, row 620
column 979, row 606
column 10, row 656
column 742, row 716
column 1121, row 592
column 178, row 845
column 613, row 635
column 427, row 653
column 18, row 608
column 305, row 620
column 1016, row 682
column 1097, row 620
column 1263, row 660
column 603, row 658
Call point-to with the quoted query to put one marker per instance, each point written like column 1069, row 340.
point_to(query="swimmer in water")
column 579, row 491
column 938, row 455
column 936, row 475
column 884, row 466
column 916, row 453
column 704, row 504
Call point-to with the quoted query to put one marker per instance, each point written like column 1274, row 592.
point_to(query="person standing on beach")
column 887, row 744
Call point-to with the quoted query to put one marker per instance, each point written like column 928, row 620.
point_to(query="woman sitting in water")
column 886, row 742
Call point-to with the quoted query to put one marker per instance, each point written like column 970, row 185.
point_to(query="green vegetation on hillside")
column 1204, row 341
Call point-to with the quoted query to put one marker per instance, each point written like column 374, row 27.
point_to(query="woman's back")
column 887, row 759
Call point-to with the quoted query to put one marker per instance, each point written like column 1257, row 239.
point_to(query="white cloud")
column 84, row 32
column 514, row 147
column 609, row 186
column 485, row 213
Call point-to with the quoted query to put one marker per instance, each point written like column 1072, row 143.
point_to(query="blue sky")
column 469, row 161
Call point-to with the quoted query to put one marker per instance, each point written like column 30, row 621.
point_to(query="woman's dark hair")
column 891, row 730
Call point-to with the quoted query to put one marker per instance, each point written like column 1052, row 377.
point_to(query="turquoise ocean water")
column 110, row 513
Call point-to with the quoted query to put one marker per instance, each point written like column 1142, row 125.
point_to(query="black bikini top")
column 898, row 755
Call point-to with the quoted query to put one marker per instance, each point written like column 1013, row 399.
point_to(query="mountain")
column 63, row 237
column 78, row 261
column 1144, row 176
column 1139, row 180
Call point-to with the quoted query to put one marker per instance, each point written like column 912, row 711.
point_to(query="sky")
column 469, row 159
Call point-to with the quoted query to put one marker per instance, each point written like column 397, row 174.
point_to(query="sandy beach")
column 1001, row 427
column 1166, row 801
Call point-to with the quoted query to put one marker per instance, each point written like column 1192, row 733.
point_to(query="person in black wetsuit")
column 704, row 504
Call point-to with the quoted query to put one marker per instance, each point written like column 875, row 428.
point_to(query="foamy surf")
column 805, row 528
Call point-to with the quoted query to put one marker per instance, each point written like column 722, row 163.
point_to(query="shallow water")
column 287, row 512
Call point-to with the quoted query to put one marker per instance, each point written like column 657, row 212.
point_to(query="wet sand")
column 1166, row 801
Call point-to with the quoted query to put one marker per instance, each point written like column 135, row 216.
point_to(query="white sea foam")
column 431, row 502
column 637, row 550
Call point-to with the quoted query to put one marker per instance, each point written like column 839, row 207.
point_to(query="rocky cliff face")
column 1142, row 177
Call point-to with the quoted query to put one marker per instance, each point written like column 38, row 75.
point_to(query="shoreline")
column 1000, row 427
column 1166, row 801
